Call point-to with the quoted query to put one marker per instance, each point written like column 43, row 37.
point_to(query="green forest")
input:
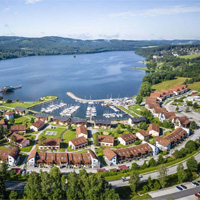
column 15, row 47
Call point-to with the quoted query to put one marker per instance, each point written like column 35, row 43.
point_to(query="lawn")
column 167, row 84
column 4, row 148
column 69, row 135
column 190, row 56
column 100, row 154
column 137, row 109
column 28, row 104
column 21, row 120
column 32, row 140
column 128, row 111
column 58, row 135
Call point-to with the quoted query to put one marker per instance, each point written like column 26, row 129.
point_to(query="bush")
column 191, row 146
column 8, row 101
column 137, row 142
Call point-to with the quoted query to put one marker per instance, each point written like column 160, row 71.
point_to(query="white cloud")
column 6, row 9
column 158, row 11
column 32, row 1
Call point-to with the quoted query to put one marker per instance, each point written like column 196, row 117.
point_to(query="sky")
column 105, row 19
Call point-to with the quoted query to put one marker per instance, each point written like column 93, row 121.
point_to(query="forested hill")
column 15, row 47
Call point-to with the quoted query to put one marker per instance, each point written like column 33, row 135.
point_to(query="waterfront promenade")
column 70, row 94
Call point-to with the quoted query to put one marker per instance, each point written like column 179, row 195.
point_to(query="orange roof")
column 79, row 141
column 18, row 128
column 154, row 127
column 38, row 123
column 19, row 138
column 32, row 154
column 81, row 129
column 109, row 153
column 9, row 113
column 106, row 139
column 162, row 141
column 128, row 137
column 144, row 133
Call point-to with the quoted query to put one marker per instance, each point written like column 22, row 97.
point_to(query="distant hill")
column 15, row 47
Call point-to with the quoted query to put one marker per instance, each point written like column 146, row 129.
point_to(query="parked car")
column 195, row 184
column 183, row 186
column 179, row 188
column 197, row 195
column 123, row 178
column 198, row 181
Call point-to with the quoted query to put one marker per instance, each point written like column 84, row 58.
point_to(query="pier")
column 70, row 94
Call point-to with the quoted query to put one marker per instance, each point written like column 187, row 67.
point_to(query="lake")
column 95, row 76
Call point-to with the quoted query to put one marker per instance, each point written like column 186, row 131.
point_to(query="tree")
column 16, row 100
column 156, row 185
column 42, row 140
column 181, row 174
column 193, row 125
column 134, row 181
column 192, row 164
column 139, row 99
column 8, row 101
column 12, row 121
column 1, row 98
column 13, row 195
column 70, row 127
column 152, row 162
column 195, row 105
column 135, row 166
column 143, row 125
column 144, row 165
column 2, row 188
column 177, row 108
column 167, row 124
column 33, row 188
column 150, row 183
column 161, row 160
column 32, row 120
column 145, row 188
column 145, row 89
column 191, row 146
column 13, row 138
column 187, row 109
column 162, row 170
column 4, row 168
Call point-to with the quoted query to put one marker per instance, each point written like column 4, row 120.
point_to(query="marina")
column 10, row 88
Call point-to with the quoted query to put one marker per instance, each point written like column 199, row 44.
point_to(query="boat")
column 10, row 88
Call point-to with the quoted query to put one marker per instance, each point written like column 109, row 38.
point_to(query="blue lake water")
column 99, row 75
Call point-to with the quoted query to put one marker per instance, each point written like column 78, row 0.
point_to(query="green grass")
column 69, row 135
column 190, row 56
column 28, row 104
column 137, row 109
column 4, row 148
column 100, row 154
column 28, row 148
column 128, row 111
column 140, row 68
column 22, row 157
column 58, row 135
column 167, row 84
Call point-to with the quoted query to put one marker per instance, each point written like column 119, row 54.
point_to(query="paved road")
column 179, row 194
column 15, row 185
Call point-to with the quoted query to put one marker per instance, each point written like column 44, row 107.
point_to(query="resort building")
column 9, row 115
column 50, row 143
column 20, row 141
column 110, row 156
column 128, row 154
column 153, row 130
column 4, row 124
column 126, row 139
column 38, row 125
column 20, row 111
column 157, row 110
column 18, row 129
column 179, row 89
column 104, row 124
column 10, row 156
column 150, row 101
column 69, row 160
column 166, row 116
column 136, row 120
column 81, row 131
column 61, row 120
column 181, row 122
column 42, row 117
column 75, row 121
column 142, row 135
column 78, row 143
column 172, row 139
column 105, row 140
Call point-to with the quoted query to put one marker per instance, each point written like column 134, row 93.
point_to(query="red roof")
column 122, row 167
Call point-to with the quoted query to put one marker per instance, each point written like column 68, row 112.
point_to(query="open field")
column 190, row 56
column 58, row 135
column 167, row 84
column 137, row 109
column 29, row 104
column 69, row 135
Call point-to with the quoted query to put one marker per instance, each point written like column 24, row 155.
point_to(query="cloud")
column 158, row 11
column 6, row 9
column 32, row 1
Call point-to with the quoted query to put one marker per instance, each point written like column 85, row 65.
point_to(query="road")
column 180, row 194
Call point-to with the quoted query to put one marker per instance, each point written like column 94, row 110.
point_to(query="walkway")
column 70, row 94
